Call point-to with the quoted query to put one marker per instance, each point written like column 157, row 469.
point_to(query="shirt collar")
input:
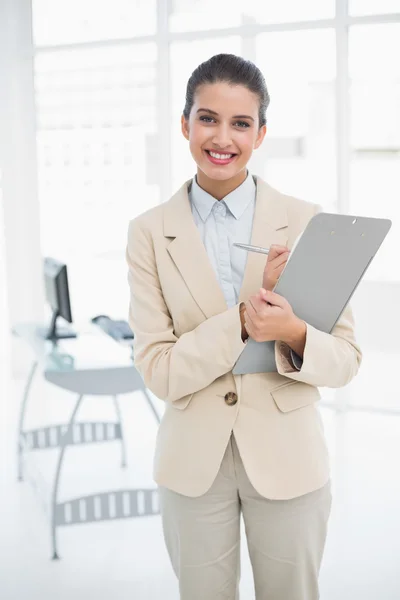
column 237, row 201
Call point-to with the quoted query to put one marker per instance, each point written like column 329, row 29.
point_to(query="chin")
column 219, row 173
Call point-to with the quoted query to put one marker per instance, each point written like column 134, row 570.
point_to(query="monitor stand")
column 54, row 332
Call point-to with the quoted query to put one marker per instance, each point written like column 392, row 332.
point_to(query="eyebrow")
column 216, row 114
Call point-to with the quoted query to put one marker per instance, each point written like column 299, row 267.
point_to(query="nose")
column 222, row 137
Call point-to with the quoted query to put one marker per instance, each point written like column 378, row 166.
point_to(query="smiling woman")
column 188, row 287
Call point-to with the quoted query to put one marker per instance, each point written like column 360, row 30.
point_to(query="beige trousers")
column 285, row 538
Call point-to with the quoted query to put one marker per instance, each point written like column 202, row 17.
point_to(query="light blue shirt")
column 222, row 222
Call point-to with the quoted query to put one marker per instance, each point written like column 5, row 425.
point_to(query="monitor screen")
column 56, row 287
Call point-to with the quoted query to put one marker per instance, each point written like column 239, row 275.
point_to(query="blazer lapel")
column 190, row 256
column 269, row 227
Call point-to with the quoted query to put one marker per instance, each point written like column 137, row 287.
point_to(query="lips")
column 220, row 161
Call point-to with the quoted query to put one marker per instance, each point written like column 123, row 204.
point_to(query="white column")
column 18, row 165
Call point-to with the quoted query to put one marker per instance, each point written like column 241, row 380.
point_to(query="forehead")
column 226, row 99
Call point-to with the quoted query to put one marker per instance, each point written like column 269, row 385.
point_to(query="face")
column 223, row 130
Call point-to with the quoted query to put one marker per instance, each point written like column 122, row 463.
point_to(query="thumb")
column 272, row 298
column 264, row 295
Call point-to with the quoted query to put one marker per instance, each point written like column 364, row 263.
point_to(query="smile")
column 218, row 158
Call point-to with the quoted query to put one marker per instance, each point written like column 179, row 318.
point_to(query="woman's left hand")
column 273, row 321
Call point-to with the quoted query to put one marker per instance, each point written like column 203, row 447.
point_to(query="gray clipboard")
column 321, row 276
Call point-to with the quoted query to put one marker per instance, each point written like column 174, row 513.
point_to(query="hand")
column 269, row 317
column 277, row 258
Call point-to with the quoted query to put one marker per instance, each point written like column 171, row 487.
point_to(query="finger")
column 257, row 305
column 248, row 318
column 251, row 312
column 273, row 298
column 280, row 261
column 277, row 273
column 275, row 250
column 279, row 248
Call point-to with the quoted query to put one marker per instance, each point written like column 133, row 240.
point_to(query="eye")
column 242, row 124
column 206, row 119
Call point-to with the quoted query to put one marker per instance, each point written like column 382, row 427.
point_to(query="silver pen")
column 252, row 248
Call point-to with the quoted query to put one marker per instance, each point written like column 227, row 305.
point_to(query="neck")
column 220, row 189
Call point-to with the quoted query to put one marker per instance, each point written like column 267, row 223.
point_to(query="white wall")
column 21, row 257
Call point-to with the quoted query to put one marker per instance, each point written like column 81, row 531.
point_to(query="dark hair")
column 234, row 70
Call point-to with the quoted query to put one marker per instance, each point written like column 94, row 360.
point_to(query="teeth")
column 220, row 156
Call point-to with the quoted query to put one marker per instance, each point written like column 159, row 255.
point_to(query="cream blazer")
column 187, row 340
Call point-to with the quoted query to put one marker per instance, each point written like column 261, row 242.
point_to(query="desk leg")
column 123, row 447
column 65, row 440
column 22, row 417
column 152, row 407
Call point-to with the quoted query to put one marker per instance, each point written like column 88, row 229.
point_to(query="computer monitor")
column 57, row 295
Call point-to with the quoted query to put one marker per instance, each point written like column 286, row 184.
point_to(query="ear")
column 260, row 136
column 185, row 127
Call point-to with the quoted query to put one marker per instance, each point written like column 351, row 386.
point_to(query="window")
column 375, row 136
column 60, row 22
column 192, row 15
column 298, row 152
column 97, row 164
column 373, row 7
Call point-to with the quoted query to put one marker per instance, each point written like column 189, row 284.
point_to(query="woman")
column 233, row 444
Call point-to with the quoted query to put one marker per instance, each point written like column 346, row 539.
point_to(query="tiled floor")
column 126, row 559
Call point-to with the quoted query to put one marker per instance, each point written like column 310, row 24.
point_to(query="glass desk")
column 90, row 364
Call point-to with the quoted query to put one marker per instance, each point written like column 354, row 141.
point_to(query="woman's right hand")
column 277, row 259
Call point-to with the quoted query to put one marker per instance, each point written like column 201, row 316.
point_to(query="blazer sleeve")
column 173, row 367
column 329, row 360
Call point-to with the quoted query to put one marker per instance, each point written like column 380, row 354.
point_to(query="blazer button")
column 231, row 398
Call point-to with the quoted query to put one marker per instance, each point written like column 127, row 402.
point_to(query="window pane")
column 373, row 7
column 185, row 57
column 97, row 164
column 375, row 136
column 60, row 22
column 298, row 152
column 191, row 15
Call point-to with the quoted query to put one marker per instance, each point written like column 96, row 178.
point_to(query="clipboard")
column 323, row 272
